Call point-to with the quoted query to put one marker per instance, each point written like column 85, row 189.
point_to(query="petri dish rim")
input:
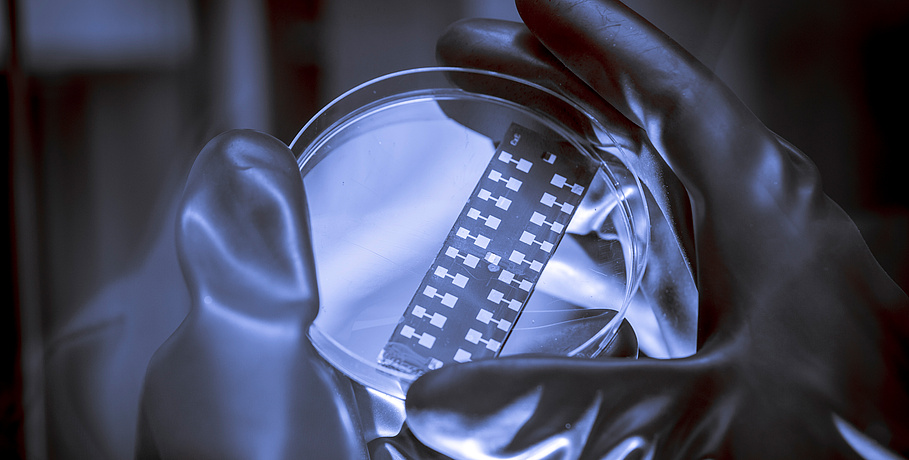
column 366, row 99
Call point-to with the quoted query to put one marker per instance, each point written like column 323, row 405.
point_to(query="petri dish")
column 461, row 214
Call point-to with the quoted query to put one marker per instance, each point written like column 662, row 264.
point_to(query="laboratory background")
column 109, row 101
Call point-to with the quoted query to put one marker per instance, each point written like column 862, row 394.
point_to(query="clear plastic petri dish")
column 459, row 215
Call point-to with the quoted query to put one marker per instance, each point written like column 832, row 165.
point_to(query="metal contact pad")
column 491, row 260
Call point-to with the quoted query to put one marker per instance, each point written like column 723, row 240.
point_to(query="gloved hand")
column 803, row 340
column 239, row 378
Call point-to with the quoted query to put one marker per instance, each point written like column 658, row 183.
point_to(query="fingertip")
column 242, row 231
column 243, row 149
column 441, row 387
column 483, row 43
column 477, row 387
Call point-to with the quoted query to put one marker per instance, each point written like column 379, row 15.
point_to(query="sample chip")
column 482, row 277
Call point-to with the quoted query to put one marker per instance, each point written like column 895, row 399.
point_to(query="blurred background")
column 109, row 101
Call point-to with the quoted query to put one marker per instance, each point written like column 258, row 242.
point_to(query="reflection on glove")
column 803, row 340
column 239, row 378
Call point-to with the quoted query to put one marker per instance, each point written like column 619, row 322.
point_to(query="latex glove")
column 239, row 378
column 802, row 339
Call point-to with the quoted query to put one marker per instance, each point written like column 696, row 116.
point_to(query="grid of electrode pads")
column 478, row 284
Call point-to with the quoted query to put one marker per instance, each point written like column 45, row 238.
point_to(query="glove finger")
column 509, row 48
column 243, row 238
column 533, row 407
column 542, row 407
column 239, row 377
column 709, row 138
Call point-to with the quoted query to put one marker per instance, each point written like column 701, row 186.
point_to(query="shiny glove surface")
column 803, row 340
column 239, row 378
